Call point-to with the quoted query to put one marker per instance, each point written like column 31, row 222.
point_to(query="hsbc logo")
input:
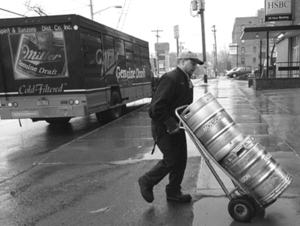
column 279, row 4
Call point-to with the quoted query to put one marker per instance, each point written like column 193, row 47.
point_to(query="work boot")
column 179, row 197
column 146, row 190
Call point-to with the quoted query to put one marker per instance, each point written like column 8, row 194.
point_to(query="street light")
column 92, row 13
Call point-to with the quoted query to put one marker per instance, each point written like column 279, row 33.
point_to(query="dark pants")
column 174, row 160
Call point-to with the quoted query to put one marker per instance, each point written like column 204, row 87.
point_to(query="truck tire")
column 117, row 111
column 112, row 113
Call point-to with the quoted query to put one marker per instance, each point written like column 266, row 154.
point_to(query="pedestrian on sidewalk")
column 174, row 89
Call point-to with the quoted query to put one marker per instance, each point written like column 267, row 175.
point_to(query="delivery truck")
column 54, row 68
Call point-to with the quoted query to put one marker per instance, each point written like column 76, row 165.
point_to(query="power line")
column 125, row 10
column 12, row 12
column 126, row 14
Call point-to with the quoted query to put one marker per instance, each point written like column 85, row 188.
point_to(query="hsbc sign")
column 276, row 10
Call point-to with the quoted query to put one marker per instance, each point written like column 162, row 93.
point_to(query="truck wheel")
column 115, row 112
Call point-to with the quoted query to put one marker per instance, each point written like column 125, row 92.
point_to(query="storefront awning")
column 274, row 31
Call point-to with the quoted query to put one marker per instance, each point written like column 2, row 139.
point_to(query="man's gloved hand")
column 173, row 130
column 172, row 126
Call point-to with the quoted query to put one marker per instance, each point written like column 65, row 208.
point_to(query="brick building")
column 248, row 51
column 283, row 28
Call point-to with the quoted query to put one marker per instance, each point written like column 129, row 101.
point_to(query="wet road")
column 21, row 146
column 90, row 177
column 24, row 143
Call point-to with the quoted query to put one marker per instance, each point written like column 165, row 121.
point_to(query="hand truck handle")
column 178, row 116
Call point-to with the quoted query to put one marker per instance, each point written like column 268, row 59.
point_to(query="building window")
column 145, row 58
column 129, row 55
column 254, row 59
column 254, row 49
column 119, row 47
column 91, row 49
column 137, row 56
column 242, row 50
column 120, row 53
column 262, row 55
column 110, row 57
column 243, row 61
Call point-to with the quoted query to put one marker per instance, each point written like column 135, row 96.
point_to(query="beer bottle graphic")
column 40, row 54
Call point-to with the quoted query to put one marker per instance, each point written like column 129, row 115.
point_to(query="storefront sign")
column 162, row 47
column 233, row 48
column 276, row 10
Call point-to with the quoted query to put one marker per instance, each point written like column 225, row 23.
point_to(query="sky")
column 141, row 17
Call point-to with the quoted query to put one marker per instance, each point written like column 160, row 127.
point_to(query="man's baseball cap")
column 191, row 56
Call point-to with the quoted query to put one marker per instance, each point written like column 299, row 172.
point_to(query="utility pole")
column 157, row 53
column 215, row 50
column 201, row 12
column 199, row 5
column 91, row 7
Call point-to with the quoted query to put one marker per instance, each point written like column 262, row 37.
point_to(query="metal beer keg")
column 212, row 126
column 257, row 171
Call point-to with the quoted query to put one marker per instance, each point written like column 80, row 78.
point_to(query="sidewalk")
column 272, row 117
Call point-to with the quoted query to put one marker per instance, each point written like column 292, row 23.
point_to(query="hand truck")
column 242, row 204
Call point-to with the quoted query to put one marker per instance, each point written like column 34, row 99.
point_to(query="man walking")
column 174, row 89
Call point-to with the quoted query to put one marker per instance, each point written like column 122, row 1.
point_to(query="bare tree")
column 36, row 8
column 224, row 60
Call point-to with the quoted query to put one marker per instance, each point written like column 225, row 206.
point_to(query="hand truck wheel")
column 241, row 208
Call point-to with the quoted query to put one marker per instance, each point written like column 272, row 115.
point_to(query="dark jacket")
column 173, row 91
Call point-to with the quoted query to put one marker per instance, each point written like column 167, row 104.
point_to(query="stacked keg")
column 242, row 156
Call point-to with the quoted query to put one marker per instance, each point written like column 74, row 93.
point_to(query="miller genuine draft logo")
column 40, row 55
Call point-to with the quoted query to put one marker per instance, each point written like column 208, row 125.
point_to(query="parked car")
column 238, row 71
column 230, row 71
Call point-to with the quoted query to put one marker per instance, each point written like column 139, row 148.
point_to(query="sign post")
column 176, row 36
